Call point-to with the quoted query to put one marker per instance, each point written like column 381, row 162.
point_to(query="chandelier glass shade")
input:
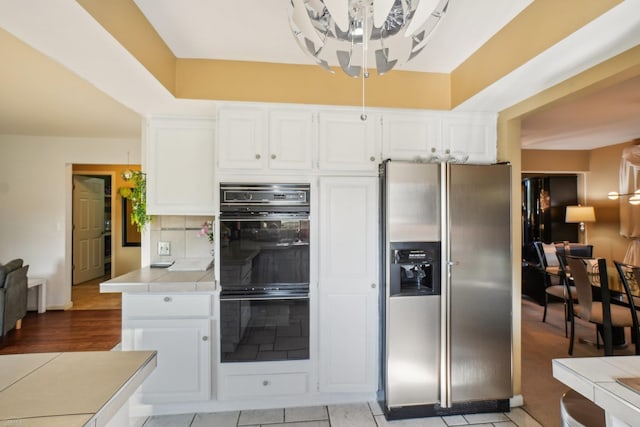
column 634, row 198
column 357, row 33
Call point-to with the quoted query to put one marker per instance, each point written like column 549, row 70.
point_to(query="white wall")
column 35, row 201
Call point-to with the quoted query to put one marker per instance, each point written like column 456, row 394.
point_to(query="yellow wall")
column 123, row 258
column 555, row 160
column 308, row 84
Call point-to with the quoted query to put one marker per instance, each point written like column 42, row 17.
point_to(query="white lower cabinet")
column 181, row 335
column 348, row 284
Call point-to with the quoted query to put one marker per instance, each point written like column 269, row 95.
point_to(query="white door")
column 88, row 228
column 348, row 285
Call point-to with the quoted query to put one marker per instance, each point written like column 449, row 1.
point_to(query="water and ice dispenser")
column 415, row 268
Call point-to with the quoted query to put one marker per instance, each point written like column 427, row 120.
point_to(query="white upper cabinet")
column 268, row 138
column 241, row 139
column 180, row 165
column 291, row 137
column 470, row 134
column 252, row 138
column 347, row 143
column 440, row 136
column 411, row 135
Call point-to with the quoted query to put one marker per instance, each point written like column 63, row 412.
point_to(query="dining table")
column 612, row 383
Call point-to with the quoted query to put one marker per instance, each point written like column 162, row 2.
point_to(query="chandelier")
column 634, row 199
column 356, row 33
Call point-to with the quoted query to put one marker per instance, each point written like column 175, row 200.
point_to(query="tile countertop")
column 149, row 279
column 69, row 389
column 595, row 379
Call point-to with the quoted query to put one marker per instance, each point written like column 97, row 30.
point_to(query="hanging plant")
column 138, row 196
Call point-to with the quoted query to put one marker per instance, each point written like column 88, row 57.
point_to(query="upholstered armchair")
column 13, row 294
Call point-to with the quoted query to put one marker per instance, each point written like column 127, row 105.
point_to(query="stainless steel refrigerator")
column 446, row 300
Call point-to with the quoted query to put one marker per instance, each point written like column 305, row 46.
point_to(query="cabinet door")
column 241, row 139
column 180, row 160
column 347, row 143
column 290, row 140
column 474, row 135
column 410, row 136
column 348, row 284
column 184, row 358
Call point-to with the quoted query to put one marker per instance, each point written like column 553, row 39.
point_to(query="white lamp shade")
column 580, row 214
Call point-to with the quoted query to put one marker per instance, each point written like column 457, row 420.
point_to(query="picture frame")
column 130, row 234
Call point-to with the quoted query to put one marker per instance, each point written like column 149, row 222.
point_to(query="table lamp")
column 580, row 214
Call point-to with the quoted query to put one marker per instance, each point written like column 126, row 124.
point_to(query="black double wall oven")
column 264, row 272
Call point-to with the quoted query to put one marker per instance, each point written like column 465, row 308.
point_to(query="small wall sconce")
column 580, row 214
column 634, row 199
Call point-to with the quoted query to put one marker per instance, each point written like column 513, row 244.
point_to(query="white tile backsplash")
column 182, row 232
column 171, row 221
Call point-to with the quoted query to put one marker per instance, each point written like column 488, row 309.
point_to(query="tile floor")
column 350, row 415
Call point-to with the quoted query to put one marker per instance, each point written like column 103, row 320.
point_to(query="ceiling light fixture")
column 634, row 198
column 127, row 174
column 354, row 33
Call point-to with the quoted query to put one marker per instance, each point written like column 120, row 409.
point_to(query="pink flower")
column 206, row 230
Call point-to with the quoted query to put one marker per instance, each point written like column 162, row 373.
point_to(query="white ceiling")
column 40, row 96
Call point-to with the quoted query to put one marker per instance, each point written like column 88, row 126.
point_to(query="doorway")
column 120, row 256
column 92, row 213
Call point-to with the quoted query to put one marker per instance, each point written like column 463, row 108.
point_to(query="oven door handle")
column 262, row 297
column 263, row 217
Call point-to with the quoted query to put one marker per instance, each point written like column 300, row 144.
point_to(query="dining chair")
column 630, row 278
column 551, row 272
column 601, row 313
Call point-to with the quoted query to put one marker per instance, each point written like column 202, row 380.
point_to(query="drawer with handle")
column 243, row 386
column 166, row 305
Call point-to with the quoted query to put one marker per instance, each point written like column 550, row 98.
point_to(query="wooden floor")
column 70, row 330
column 87, row 296
column 93, row 323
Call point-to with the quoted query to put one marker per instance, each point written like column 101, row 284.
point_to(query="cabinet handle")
column 205, row 338
column 265, row 383
column 273, row 156
column 257, row 156
column 372, row 158
column 167, row 299
column 373, row 286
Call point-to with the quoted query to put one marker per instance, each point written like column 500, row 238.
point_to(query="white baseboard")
column 516, row 401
